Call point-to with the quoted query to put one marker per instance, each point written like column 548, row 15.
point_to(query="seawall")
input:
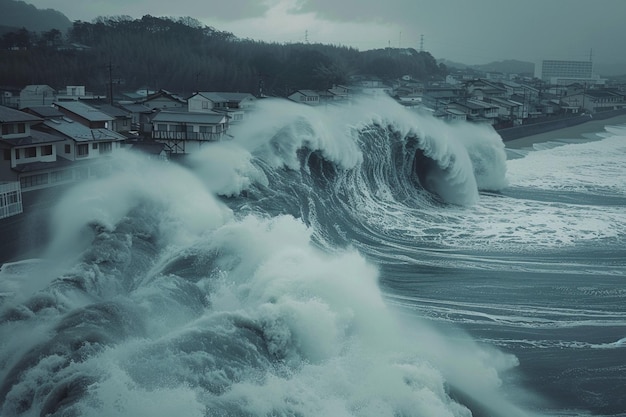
column 518, row 132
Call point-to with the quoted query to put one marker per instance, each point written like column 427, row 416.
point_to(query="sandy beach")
column 573, row 132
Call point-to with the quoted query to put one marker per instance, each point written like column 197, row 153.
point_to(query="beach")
column 580, row 131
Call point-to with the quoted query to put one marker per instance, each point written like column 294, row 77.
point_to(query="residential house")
column 37, row 95
column 10, row 97
column 476, row 110
column 508, row 109
column 28, row 158
column 163, row 99
column 310, row 97
column 139, row 116
column 481, row 89
column 596, row 100
column 340, row 93
column 85, row 114
column 370, row 86
column 122, row 119
column 234, row 104
column 186, row 132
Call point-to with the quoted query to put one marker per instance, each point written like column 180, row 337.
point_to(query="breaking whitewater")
column 343, row 261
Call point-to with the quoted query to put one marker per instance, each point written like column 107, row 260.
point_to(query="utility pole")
column 110, row 82
column 421, row 43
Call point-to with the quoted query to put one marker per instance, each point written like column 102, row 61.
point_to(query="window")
column 205, row 105
column 21, row 128
column 34, row 180
column 58, row 176
column 68, row 149
column 7, row 129
column 94, row 145
column 82, row 150
column 161, row 127
column 46, row 150
column 106, row 147
column 17, row 154
column 30, row 152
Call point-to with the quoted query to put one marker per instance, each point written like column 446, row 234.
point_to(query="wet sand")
column 580, row 131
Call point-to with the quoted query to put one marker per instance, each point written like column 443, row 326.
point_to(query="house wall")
column 43, row 96
column 6, row 173
column 163, row 103
column 199, row 104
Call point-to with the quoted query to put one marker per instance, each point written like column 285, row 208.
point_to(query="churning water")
column 343, row 261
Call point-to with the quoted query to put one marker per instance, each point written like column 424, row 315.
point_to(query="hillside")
column 183, row 55
column 510, row 66
column 18, row 14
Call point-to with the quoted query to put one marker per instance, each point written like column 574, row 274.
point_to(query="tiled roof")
column 9, row 115
column 189, row 117
column 81, row 133
column 85, row 111
column 36, row 138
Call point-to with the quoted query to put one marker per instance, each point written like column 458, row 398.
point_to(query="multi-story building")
column 557, row 72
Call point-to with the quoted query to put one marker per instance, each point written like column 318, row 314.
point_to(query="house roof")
column 9, row 115
column 84, row 110
column 190, row 117
column 224, row 97
column 308, row 93
column 36, row 88
column 36, row 138
column 40, row 165
column 46, row 112
column 136, row 108
column 113, row 111
column 81, row 133
column 163, row 93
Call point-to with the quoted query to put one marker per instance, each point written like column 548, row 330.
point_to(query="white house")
column 234, row 104
column 310, row 97
column 37, row 95
column 186, row 132
column 28, row 158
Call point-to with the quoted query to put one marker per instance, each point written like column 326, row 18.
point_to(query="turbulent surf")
column 358, row 260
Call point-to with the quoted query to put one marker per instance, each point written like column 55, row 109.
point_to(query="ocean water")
column 355, row 260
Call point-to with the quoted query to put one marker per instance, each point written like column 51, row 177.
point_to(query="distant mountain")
column 510, row 66
column 18, row 14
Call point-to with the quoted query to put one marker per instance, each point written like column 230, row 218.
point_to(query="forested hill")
column 18, row 14
column 182, row 55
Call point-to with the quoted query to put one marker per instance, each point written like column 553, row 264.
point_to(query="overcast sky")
column 467, row 31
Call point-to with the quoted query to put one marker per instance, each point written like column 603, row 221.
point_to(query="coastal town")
column 53, row 137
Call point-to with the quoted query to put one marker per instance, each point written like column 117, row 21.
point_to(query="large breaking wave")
column 236, row 285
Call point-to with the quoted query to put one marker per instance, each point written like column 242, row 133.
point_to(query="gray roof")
column 189, row 117
column 113, row 111
column 44, row 111
column 36, row 138
column 9, row 115
column 224, row 96
column 85, row 111
column 81, row 133
column 136, row 108
column 60, row 163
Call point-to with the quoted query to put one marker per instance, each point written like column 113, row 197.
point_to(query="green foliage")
column 183, row 56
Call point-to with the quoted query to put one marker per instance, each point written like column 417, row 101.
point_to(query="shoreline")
column 580, row 131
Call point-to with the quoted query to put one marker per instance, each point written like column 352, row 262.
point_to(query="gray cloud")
column 476, row 31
